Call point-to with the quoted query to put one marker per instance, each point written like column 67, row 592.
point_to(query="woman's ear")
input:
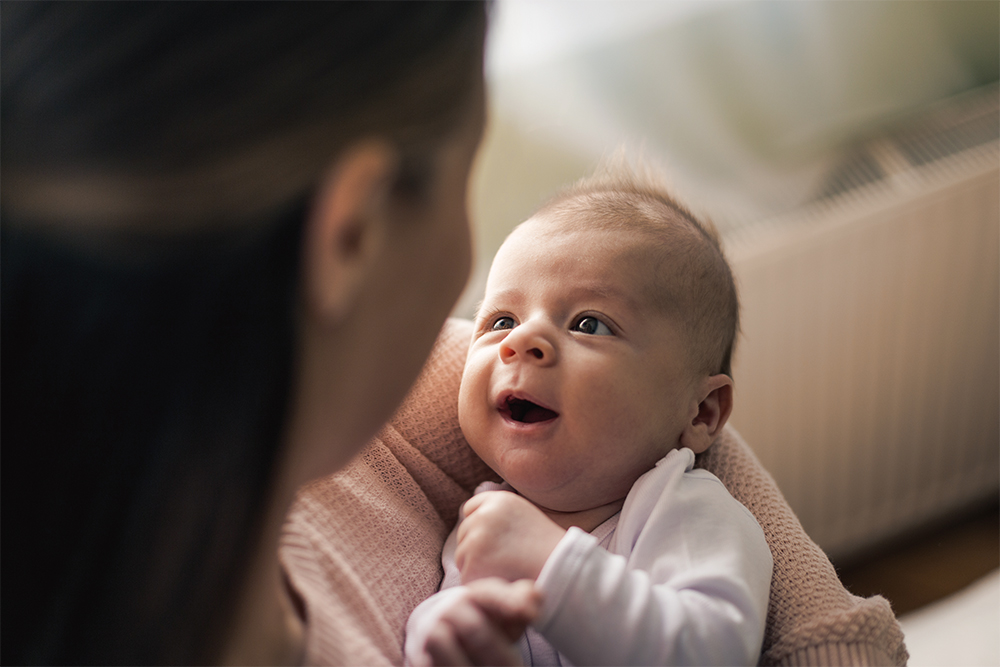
column 347, row 225
column 712, row 413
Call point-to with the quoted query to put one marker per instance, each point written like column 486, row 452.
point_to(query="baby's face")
column 575, row 384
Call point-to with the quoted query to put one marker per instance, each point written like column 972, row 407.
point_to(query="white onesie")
column 683, row 578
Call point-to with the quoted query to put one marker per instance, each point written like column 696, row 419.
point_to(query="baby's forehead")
column 643, row 249
column 666, row 257
column 631, row 256
column 617, row 238
column 634, row 218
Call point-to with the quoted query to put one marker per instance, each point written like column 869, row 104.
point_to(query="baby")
column 599, row 367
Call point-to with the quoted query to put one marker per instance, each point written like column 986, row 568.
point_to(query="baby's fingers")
column 511, row 606
column 466, row 636
column 443, row 648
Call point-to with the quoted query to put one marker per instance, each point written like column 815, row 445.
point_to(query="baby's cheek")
column 473, row 396
column 468, row 421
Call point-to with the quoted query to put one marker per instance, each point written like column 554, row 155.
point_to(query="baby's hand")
column 481, row 626
column 504, row 535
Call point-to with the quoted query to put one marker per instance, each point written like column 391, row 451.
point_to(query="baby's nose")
column 530, row 344
column 509, row 352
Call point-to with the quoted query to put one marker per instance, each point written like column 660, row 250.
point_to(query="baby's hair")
column 692, row 279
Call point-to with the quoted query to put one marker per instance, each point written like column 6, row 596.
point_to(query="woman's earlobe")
column 346, row 229
column 712, row 414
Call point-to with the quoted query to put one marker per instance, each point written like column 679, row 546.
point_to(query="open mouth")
column 526, row 412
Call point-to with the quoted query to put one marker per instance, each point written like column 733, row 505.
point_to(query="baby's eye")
column 593, row 326
column 503, row 323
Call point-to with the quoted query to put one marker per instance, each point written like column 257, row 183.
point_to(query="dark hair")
column 146, row 367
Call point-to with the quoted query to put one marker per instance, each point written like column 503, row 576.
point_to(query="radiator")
column 868, row 372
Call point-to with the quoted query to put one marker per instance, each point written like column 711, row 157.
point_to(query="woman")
column 230, row 233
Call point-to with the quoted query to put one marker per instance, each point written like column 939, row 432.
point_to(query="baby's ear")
column 713, row 410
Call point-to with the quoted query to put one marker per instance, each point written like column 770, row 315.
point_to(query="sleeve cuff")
column 560, row 570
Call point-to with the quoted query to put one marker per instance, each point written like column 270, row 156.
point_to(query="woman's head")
column 206, row 207
column 175, row 114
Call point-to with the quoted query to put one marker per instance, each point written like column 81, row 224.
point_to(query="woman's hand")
column 504, row 535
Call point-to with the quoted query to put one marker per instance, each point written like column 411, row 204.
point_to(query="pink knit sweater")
column 362, row 547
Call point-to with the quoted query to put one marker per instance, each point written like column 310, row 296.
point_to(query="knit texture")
column 363, row 547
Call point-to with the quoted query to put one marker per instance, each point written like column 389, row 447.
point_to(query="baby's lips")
column 521, row 407
column 504, row 398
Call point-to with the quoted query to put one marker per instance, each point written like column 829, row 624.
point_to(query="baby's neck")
column 586, row 520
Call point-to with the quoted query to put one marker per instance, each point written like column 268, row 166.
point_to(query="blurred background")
column 848, row 153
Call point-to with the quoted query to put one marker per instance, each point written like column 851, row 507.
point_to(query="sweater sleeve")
column 690, row 587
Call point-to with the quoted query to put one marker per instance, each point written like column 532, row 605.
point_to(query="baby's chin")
column 532, row 473
column 565, row 494
column 536, row 475
column 550, row 496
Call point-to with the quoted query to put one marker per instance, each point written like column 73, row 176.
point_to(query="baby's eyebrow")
column 602, row 291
